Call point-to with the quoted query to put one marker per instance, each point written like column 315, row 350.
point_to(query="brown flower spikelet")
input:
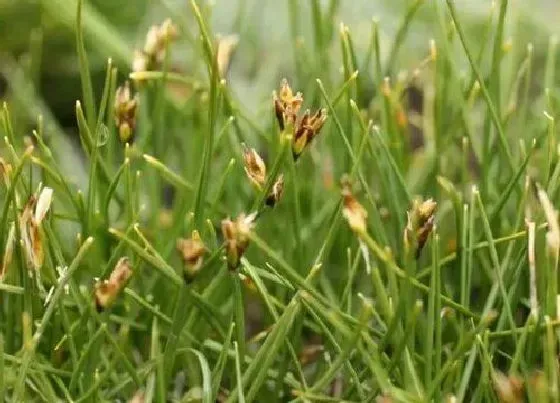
column 420, row 224
column 125, row 112
column 107, row 291
column 354, row 213
column 192, row 251
column 236, row 236
column 255, row 167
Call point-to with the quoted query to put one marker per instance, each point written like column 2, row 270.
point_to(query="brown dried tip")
column 107, row 291
column 226, row 47
column 30, row 226
column 420, row 224
column 354, row 213
column 286, row 105
column 236, row 236
column 125, row 112
column 508, row 388
column 249, row 283
column 8, row 251
column 192, row 251
column 255, row 167
column 307, row 128
column 276, row 193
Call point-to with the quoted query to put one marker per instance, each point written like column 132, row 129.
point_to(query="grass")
column 399, row 243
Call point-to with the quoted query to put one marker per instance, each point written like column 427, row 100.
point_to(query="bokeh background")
column 39, row 67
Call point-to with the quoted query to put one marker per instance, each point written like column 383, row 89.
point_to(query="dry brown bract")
column 106, row 291
column 307, row 128
column 276, row 193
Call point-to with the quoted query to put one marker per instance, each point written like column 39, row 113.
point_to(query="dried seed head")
column 276, row 193
column 508, row 388
column 192, row 251
column 125, row 112
column 354, row 213
column 286, row 105
column 255, row 167
column 307, row 128
column 420, row 224
column 107, row 291
column 236, row 236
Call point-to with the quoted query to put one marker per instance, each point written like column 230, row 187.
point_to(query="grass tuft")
column 379, row 225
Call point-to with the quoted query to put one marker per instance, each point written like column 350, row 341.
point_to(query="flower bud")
column 125, row 112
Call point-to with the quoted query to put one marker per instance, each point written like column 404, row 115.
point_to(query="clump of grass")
column 210, row 253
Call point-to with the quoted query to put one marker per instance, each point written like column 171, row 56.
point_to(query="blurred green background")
column 39, row 67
